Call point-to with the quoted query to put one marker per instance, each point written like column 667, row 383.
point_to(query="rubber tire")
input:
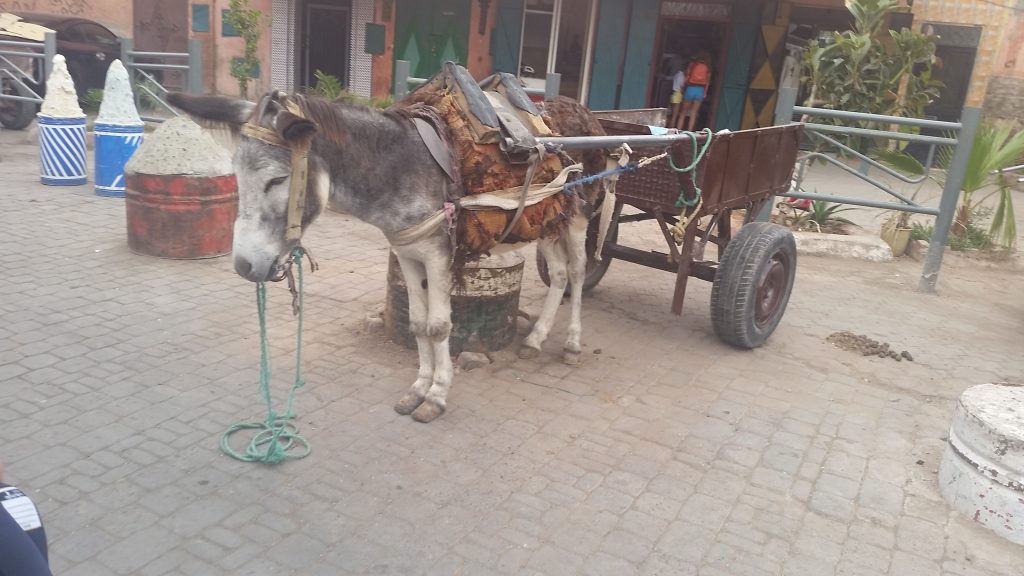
column 749, row 256
column 17, row 114
column 595, row 269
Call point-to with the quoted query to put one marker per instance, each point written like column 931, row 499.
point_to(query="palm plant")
column 820, row 216
column 996, row 146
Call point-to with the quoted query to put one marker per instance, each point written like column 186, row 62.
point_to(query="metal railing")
column 145, row 67
column 39, row 60
column 403, row 80
column 964, row 132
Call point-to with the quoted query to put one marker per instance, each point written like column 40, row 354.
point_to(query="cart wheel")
column 595, row 268
column 752, row 284
column 16, row 114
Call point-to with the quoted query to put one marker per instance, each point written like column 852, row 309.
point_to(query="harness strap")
column 536, row 157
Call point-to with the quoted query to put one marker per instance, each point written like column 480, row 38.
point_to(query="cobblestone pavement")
column 665, row 452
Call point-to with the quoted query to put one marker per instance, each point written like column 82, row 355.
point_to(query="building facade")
column 610, row 53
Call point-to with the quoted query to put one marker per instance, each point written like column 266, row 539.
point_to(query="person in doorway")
column 676, row 99
column 22, row 538
column 698, row 78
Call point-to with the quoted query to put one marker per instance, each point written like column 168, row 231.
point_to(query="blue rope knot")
column 568, row 186
column 277, row 433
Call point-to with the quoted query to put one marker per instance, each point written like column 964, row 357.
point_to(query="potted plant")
column 896, row 232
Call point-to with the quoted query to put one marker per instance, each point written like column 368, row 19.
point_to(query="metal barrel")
column 484, row 311
column 62, row 151
column 185, row 217
column 115, row 144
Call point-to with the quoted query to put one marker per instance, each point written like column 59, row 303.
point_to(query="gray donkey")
column 373, row 165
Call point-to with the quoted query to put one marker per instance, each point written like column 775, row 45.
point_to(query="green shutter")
column 636, row 75
column 746, row 29
column 609, row 47
column 507, row 34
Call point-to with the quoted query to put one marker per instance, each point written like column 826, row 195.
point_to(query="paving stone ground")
column 665, row 452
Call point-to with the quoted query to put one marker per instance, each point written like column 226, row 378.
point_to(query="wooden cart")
column 755, row 267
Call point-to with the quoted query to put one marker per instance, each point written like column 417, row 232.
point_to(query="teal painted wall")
column 643, row 27
column 746, row 30
column 609, row 48
column 507, row 34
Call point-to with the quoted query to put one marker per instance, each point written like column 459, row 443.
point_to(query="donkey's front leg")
column 556, row 259
column 415, row 279
column 574, row 245
column 439, row 327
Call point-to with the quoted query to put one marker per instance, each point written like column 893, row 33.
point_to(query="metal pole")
column 784, row 106
column 402, row 71
column 126, row 49
column 552, row 85
column 195, row 66
column 970, row 120
column 49, row 51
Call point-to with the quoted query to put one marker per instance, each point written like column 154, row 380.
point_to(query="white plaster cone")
column 118, row 106
column 61, row 99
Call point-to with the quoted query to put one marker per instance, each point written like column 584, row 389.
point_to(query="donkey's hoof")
column 408, row 403
column 427, row 411
column 571, row 358
column 528, row 352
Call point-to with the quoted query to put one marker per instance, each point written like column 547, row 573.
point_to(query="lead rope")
column 277, row 434
column 679, row 230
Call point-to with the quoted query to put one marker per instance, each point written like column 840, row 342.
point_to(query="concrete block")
column 870, row 248
column 982, row 470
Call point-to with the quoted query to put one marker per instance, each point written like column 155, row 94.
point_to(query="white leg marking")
column 557, row 259
column 414, row 275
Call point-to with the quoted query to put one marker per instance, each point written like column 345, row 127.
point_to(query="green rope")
column 697, row 157
column 277, row 434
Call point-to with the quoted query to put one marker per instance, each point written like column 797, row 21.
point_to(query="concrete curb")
column 870, row 248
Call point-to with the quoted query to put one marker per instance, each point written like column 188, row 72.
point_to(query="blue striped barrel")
column 115, row 144
column 62, row 151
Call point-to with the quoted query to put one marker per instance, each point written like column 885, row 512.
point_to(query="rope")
column 697, row 157
column 277, row 434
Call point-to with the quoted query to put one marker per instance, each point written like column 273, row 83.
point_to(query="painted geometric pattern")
column 62, row 151
column 282, row 42
column 360, row 63
column 759, row 108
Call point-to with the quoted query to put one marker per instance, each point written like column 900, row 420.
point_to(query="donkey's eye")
column 273, row 182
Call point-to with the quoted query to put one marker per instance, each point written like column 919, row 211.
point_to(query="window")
column 552, row 43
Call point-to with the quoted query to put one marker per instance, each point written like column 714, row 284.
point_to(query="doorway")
column 680, row 42
column 327, row 40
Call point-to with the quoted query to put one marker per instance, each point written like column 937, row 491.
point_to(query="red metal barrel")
column 176, row 216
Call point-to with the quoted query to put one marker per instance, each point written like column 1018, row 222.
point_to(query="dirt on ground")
column 865, row 346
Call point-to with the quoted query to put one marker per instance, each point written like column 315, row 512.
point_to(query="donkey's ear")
column 231, row 111
column 293, row 128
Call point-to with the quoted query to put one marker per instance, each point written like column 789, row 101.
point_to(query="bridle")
column 299, row 150
column 300, row 167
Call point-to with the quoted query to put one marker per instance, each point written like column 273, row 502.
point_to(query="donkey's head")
column 282, row 188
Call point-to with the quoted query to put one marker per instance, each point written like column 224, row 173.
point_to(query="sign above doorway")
column 696, row 11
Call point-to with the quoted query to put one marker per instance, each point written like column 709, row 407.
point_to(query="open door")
column 327, row 40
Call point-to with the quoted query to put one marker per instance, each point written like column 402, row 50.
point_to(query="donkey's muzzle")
column 244, row 269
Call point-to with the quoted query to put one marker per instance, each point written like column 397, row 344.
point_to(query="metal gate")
column 24, row 67
column 155, row 74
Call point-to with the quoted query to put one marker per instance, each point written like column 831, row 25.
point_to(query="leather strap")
column 437, row 148
column 536, row 157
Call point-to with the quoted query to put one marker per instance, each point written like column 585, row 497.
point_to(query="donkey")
column 373, row 165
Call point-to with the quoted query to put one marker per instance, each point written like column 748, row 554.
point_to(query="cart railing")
column 151, row 71
column 37, row 59
column 962, row 138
